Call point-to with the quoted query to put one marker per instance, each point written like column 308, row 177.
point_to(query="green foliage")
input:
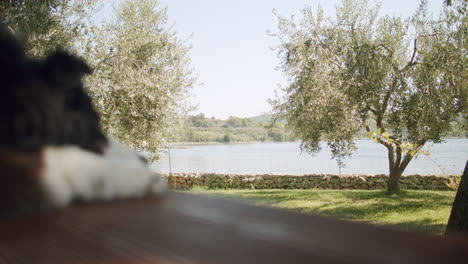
column 45, row 24
column 227, row 138
column 200, row 129
column 276, row 135
column 402, row 80
column 198, row 121
column 141, row 76
column 238, row 122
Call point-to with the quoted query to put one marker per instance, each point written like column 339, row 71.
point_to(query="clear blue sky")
column 231, row 51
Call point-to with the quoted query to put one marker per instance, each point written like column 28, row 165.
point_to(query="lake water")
column 278, row 158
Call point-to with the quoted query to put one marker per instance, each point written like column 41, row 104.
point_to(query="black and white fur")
column 52, row 149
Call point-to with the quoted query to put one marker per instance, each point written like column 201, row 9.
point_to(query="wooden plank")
column 186, row 228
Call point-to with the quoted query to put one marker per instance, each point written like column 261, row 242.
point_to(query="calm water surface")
column 446, row 158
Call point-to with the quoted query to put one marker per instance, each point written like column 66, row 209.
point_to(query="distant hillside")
column 261, row 118
column 264, row 118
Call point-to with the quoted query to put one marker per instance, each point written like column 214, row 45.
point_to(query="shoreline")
column 185, row 145
column 260, row 142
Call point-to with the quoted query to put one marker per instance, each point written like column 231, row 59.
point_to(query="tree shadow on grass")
column 345, row 201
column 426, row 225
column 271, row 197
column 362, row 206
column 438, row 197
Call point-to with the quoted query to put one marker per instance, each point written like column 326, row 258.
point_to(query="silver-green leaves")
column 402, row 81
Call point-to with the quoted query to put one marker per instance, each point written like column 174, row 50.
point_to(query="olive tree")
column 141, row 68
column 44, row 25
column 403, row 81
column 141, row 75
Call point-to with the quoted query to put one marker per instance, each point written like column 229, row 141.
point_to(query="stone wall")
column 184, row 181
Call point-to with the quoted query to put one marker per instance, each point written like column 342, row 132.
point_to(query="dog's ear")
column 63, row 69
column 11, row 56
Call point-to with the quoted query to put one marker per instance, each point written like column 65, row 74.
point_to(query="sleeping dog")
column 52, row 149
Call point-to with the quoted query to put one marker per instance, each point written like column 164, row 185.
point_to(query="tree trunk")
column 397, row 165
column 393, row 184
column 458, row 221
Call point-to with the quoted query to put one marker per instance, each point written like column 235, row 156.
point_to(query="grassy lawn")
column 426, row 211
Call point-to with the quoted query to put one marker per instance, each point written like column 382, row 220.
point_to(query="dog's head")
column 43, row 102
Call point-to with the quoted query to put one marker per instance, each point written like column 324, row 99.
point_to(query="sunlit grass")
column 426, row 211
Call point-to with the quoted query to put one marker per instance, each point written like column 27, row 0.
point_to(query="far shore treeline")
column 201, row 129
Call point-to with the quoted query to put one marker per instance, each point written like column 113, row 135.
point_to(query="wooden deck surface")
column 186, row 228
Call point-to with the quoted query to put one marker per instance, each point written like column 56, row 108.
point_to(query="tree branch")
column 398, row 155
column 388, row 95
column 367, row 128
column 409, row 157
column 391, row 158
column 415, row 50
column 321, row 46
column 373, row 111
column 385, row 48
